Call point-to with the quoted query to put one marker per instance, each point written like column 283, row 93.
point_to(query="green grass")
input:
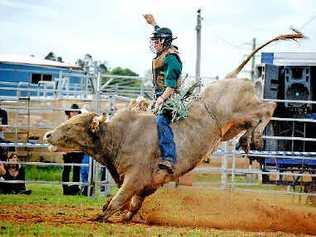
column 49, row 194
column 8, row 229
column 43, row 173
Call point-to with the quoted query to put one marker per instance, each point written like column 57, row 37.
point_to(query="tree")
column 123, row 72
column 51, row 56
column 119, row 71
column 59, row 59
column 80, row 63
column 103, row 68
column 87, row 62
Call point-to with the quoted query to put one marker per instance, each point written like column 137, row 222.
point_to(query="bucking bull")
column 128, row 144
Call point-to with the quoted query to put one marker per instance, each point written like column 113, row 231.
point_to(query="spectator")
column 4, row 149
column 72, row 157
column 12, row 172
column 3, row 120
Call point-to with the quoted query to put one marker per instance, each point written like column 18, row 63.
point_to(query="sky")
column 115, row 31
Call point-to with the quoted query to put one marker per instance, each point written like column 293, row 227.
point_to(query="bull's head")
column 80, row 133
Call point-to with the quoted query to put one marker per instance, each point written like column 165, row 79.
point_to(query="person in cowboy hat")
column 72, row 111
column 72, row 157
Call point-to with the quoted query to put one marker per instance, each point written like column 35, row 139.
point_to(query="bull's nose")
column 47, row 136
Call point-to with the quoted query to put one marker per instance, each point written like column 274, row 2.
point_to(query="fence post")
column 224, row 167
column 233, row 149
column 91, row 184
column 92, row 163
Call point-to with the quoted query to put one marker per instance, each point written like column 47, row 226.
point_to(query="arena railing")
column 111, row 91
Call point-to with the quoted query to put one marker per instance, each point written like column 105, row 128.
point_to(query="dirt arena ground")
column 188, row 207
column 230, row 210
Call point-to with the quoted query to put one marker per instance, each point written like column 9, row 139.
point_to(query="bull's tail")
column 295, row 36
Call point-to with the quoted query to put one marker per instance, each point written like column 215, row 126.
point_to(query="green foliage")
column 43, row 173
column 126, row 82
column 179, row 103
column 123, row 72
column 80, row 63
column 87, row 61
column 103, row 68
column 52, row 57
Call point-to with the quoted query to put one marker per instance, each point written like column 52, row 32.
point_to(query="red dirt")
column 228, row 210
column 189, row 207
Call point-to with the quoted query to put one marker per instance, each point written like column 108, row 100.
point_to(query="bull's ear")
column 96, row 121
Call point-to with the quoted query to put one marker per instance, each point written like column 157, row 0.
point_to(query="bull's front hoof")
column 138, row 218
column 135, row 217
column 99, row 218
column 127, row 217
column 105, row 206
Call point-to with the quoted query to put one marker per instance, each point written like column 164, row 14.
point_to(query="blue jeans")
column 84, row 174
column 165, row 135
column 84, row 171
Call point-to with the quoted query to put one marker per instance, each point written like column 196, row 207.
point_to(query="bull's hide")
column 128, row 143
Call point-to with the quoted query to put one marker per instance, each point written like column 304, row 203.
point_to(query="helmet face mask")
column 157, row 45
column 160, row 39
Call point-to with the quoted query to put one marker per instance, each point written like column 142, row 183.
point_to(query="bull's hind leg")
column 267, row 112
column 246, row 139
column 253, row 120
column 243, row 122
column 253, row 136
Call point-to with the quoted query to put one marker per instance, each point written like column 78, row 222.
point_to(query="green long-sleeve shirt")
column 172, row 70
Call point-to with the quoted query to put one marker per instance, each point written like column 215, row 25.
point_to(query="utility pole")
column 253, row 61
column 198, row 49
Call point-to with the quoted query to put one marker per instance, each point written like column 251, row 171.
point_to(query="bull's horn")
column 96, row 122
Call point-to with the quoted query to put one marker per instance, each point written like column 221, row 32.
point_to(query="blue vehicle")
column 290, row 138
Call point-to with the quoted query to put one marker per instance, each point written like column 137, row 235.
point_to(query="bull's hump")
column 130, row 119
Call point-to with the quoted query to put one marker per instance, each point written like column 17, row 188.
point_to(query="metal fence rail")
column 106, row 182
column 24, row 144
column 291, row 101
column 123, row 92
